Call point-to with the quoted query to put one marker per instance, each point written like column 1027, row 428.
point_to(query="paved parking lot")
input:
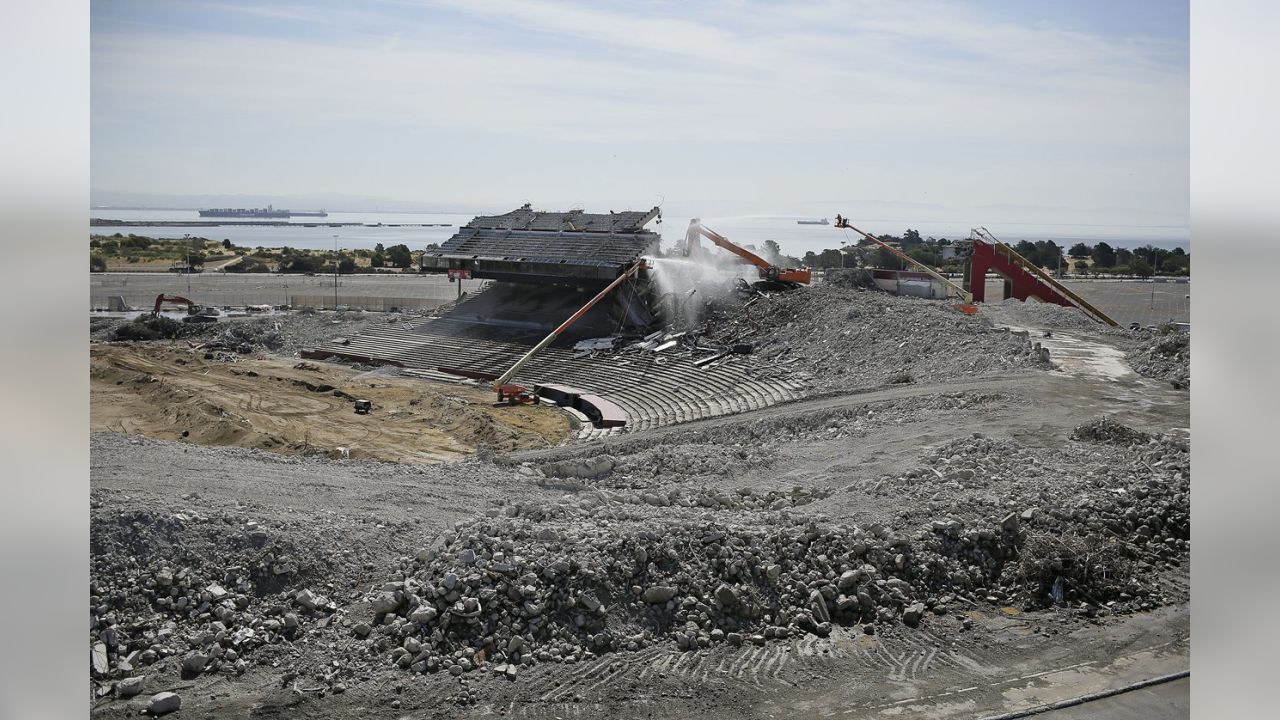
column 1129, row 301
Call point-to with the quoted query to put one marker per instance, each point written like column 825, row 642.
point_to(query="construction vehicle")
column 363, row 407
column 771, row 276
column 195, row 313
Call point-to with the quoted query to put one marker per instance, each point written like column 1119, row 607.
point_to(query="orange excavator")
column 195, row 313
column 771, row 276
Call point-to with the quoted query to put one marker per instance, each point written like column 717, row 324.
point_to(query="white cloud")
column 935, row 86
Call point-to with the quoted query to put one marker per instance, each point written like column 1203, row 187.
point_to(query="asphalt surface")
column 1167, row 701
column 1128, row 301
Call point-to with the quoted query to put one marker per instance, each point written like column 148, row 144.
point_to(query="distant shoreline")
column 108, row 222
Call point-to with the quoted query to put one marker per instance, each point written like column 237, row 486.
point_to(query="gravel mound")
column 1047, row 315
column 282, row 334
column 846, row 337
column 1107, row 430
column 1164, row 354
column 208, row 589
column 606, row 570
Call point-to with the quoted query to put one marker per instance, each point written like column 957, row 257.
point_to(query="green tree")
column 1080, row 250
column 377, row 260
column 346, row 265
column 829, row 258
column 399, row 256
column 1082, row 266
column 379, row 249
column 97, row 264
column 886, row 259
column 1027, row 249
column 226, row 243
column 911, row 237
column 300, row 264
column 1140, row 267
column 1103, row 255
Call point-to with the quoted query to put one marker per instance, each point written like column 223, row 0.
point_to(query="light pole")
column 187, row 238
column 335, row 273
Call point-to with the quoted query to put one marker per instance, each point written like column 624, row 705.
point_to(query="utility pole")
column 335, row 273
column 187, row 238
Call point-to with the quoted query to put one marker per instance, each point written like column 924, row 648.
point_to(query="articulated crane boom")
column 510, row 392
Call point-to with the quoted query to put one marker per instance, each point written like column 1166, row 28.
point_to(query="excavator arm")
column 768, row 272
column 162, row 299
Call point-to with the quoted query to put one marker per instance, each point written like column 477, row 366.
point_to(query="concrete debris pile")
column 607, row 571
column 281, row 334
column 1126, row 502
column 199, row 592
column 849, row 278
column 1108, row 430
column 848, row 338
column 1164, row 354
column 1046, row 315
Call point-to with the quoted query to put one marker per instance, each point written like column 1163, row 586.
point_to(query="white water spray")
column 686, row 284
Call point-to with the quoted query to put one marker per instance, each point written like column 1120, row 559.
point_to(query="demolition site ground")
column 945, row 523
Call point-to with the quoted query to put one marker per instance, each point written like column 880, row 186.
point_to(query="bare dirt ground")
column 171, row 391
column 715, row 568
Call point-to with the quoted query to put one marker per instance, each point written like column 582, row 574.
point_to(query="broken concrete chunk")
column 164, row 703
column 385, row 602
column 129, row 687
column 912, row 615
column 658, row 594
column 98, row 658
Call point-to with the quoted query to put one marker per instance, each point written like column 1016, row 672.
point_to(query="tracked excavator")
column 195, row 313
column 772, row 277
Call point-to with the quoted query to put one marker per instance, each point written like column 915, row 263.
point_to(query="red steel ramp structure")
column 1024, row 280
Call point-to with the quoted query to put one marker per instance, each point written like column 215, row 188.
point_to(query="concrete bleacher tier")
column 651, row 389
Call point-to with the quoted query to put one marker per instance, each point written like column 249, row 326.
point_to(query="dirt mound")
column 1164, row 354
column 1107, row 430
column 146, row 328
column 849, row 338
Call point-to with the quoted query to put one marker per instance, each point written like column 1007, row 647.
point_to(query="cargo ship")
column 268, row 212
column 823, row 221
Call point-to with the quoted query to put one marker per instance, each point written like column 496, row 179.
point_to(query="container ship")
column 268, row 212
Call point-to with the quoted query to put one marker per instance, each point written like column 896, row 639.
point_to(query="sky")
column 1020, row 111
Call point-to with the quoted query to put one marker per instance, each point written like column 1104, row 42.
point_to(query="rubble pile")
column 1117, row 495
column 1164, row 354
column 279, row 333
column 606, row 570
column 846, row 337
column 1108, row 430
column 199, row 591
column 1047, row 315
